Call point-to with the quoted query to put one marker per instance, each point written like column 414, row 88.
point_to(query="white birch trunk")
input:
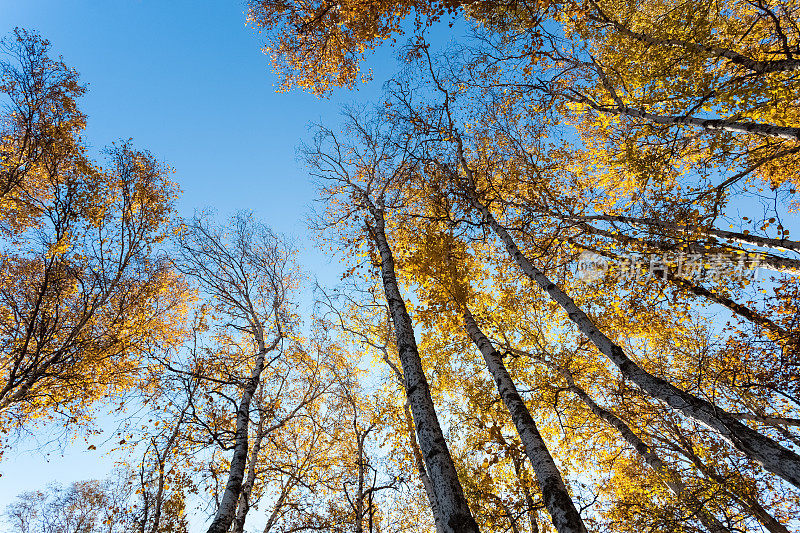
column 775, row 331
column 765, row 451
column 531, row 508
column 788, row 64
column 557, row 500
column 423, row 475
column 247, row 487
column 669, row 477
column 278, row 507
column 713, row 124
column 233, row 488
column 784, row 265
column 455, row 512
column 745, row 499
column 785, row 245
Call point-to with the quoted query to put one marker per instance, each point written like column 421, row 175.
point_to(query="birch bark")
column 669, row 477
column 786, row 245
column 455, row 512
column 557, row 500
column 233, row 488
column 760, row 448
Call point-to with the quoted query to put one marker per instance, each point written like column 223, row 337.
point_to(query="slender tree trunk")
column 159, row 496
column 771, row 420
column 757, row 66
column 769, row 522
column 509, row 514
column 531, row 507
column 423, row 475
column 752, row 128
column 359, row 497
column 778, row 264
column 455, row 512
column 162, row 459
column 233, row 488
column 669, row 477
column 532, row 518
column 371, row 507
column 247, row 487
column 419, row 462
column 776, row 423
column 734, row 236
column 768, row 453
column 746, row 500
column 774, row 331
column 276, row 510
column 557, row 500
column 145, row 500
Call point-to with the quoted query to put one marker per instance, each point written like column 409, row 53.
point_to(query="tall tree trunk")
column 746, row 500
column 159, row 495
column 419, row 462
column 531, row 507
column 358, row 505
column 455, row 512
column 142, row 525
column 734, row 236
column 775, row 421
column 371, row 507
column 247, row 487
column 769, row 522
column 512, row 520
column 714, row 124
column 162, row 459
column 788, row 64
column 423, row 475
column 668, row 476
column 233, row 488
column 778, row 264
column 774, row 331
column 276, row 509
column 557, row 500
column 768, row 453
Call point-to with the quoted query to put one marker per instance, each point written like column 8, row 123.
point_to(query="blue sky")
column 186, row 80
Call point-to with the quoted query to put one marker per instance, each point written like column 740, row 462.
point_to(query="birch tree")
column 247, row 273
column 365, row 174
column 83, row 293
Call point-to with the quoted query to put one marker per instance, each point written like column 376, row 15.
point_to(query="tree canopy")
column 569, row 298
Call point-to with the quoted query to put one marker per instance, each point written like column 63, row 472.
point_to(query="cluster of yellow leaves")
column 83, row 299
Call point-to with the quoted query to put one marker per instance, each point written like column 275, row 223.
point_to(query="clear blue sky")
column 186, row 80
